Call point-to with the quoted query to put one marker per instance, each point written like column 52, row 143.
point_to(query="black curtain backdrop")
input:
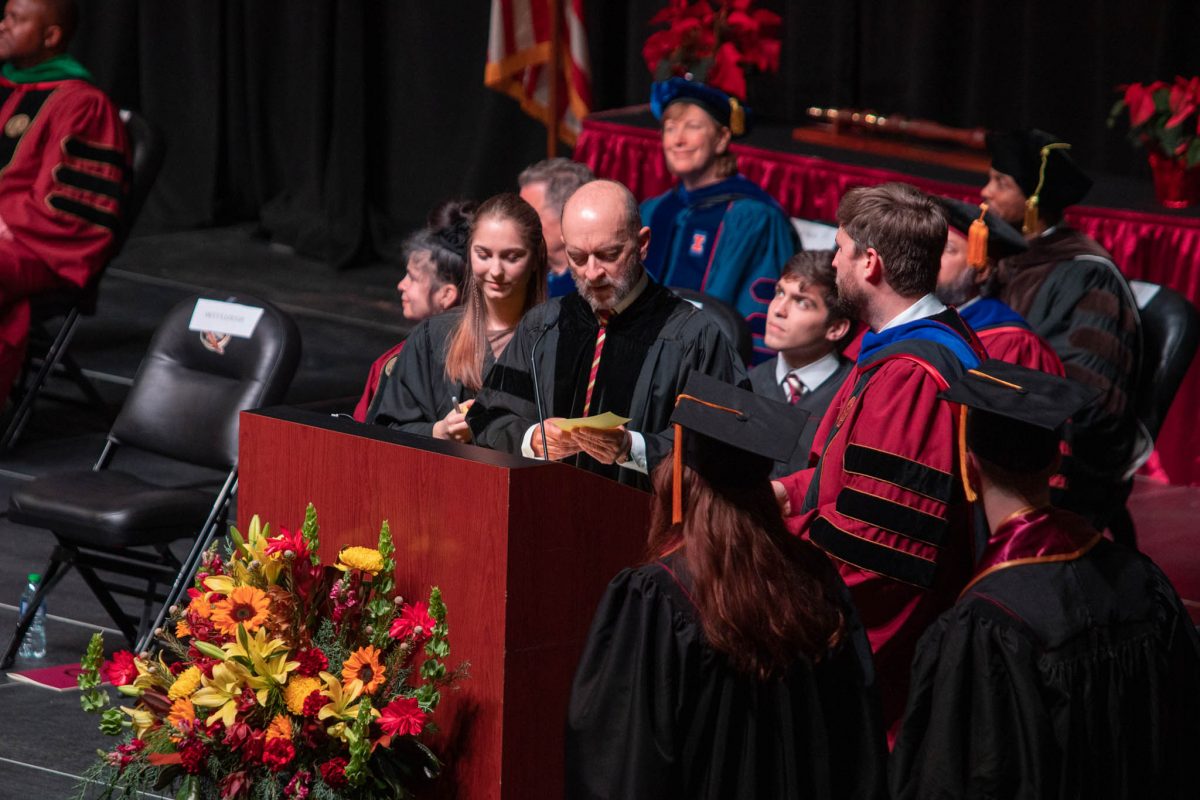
column 339, row 123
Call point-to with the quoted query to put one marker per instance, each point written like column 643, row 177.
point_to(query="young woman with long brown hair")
column 443, row 363
column 730, row 665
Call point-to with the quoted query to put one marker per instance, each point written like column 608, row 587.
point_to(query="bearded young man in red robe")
column 64, row 166
column 884, row 499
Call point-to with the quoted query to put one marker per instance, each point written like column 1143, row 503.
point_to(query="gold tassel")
column 1031, row 205
column 977, row 241
column 962, row 455
column 677, row 478
column 737, row 117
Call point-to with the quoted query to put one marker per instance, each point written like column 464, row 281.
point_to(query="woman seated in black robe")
column 730, row 665
column 442, row 365
column 435, row 259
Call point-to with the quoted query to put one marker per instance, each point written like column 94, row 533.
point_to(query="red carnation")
column 121, row 670
column 247, row 701
column 414, row 621
column 402, row 717
column 312, row 661
column 333, row 772
column 313, row 703
column 278, row 753
column 192, row 754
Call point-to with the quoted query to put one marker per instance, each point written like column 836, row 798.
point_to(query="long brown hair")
column 764, row 597
column 468, row 345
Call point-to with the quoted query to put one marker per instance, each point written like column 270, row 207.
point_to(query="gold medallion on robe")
column 16, row 125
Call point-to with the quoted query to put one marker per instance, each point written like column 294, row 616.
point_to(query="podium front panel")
column 521, row 549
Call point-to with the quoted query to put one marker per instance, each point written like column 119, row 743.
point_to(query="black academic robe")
column 650, row 349
column 815, row 402
column 418, row 393
column 1073, row 678
column 657, row 713
column 1068, row 289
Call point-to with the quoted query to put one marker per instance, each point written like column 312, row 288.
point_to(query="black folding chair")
column 184, row 406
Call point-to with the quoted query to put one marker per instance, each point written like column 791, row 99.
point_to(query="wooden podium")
column 521, row 549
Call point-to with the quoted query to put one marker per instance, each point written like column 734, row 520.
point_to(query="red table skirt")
column 1152, row 247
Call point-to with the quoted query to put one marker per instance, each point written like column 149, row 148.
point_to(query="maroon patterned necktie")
column 795, row 388
column 604, row 315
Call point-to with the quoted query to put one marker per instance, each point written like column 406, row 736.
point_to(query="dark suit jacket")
column 762, row 381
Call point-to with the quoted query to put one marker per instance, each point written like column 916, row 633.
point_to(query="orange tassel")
column 977, row 241
column 962, row 454
column 677, row 478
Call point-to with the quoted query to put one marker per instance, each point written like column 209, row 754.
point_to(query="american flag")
column 519, row 51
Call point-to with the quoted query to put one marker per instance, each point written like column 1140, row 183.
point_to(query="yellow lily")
column 339, row 707
column 222, row 691
column 151, row 675
column 267, row 660
column 142, row 719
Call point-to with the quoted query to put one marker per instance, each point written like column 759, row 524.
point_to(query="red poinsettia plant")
column 1163, row 117
column 713, row 43
column 281, row 677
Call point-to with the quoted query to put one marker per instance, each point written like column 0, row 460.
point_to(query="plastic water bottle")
column 34, row 643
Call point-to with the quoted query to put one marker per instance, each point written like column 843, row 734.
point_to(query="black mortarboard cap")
column 1003, row 239
column 1019, row 154
column 1017, row 413
column 724, row 108
column 733, row 435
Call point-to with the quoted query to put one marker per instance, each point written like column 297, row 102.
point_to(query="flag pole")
column 552, row 77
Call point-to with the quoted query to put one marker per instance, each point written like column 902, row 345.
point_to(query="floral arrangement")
column 280, row 678
column 1163, row 117
column 713, row 45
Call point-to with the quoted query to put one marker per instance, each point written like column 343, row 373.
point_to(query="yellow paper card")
column 603, row 421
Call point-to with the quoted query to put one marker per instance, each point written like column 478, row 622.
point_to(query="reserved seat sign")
column 218, row 316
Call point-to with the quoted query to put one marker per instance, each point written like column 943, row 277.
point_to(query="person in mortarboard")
column 1068, row 667
column 881, row 499
column 1072, row 294
column 730, row 664
column 716, row 232
column 978, row 239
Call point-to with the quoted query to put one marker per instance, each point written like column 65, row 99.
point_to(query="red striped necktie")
column 795, row 388
column 604, row 315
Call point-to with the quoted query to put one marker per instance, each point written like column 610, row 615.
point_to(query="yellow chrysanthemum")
column 280, row 728
column 297, row 691
column 361, row 558
column 245, row 605
column 186, row 684
column 363, row 671
column 182, row 714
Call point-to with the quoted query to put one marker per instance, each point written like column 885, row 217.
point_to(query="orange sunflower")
column 245, row 605
column 364, row 668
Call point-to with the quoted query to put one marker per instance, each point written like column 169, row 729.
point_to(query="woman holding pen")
column 443, row 363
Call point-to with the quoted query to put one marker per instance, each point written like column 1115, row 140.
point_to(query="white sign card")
column 218, row 316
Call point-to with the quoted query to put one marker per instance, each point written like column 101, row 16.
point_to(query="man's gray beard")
column 621, row 289
column 958, row 292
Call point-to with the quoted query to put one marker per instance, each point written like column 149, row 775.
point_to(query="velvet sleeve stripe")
column 91, row 214
column 871, row 556
column 90, row 152
column 87, row 182
column 899, row 471
column 880, row 513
